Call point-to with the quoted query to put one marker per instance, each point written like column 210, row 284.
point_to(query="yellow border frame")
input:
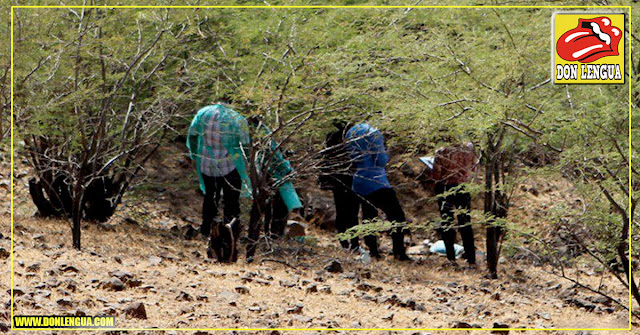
column 331, row 329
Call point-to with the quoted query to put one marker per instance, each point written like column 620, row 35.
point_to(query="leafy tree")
column 91, row 100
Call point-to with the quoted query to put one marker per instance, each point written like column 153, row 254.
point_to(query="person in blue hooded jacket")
column 366, row 149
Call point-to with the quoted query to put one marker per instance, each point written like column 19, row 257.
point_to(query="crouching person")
column 368, row 154
column 274, row 195
column 337, row 176
column 452, row 168
column 216, row 136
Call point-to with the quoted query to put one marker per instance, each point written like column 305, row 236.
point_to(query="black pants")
column 447, row 204
column 347, row 208
column 230, row 186
column 275, row 216
column 386, row 200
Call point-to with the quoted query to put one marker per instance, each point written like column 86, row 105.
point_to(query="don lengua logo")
column 588, row 48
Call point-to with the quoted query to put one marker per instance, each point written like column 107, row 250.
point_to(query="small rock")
column 67, row 268
column 364, row 287
column 498, row 325
column 134, row 282
column 302, row 319
column 600, row 300
column 64, row 302
column 344, row 292
column 461, row 324
column 348, row 275
column 184, row 296
column 242, row 289
column 262, row 282
column 312, row 288
column 33, row 267
column 582, row 304
column 334, row 267
column 255, row 309
column 136, row 310
column 289, row 284
column 388, row 317
column 554, row 287
column 325, row 289
column 297, row 309
column 4, row 253
column 147, row 288
column 409, row 303
column 544, row 315
column 70, row 284
column 113, row 284
column 122, row 275
column 17, row 291
column 4, row 327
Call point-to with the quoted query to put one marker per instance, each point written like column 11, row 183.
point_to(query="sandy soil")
column 287, row 287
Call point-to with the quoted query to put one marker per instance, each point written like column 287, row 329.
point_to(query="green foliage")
column 426, row 77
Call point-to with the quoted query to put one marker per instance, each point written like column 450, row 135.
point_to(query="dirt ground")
column 142, row 256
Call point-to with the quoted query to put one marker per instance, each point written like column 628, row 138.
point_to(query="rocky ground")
column 144, row 267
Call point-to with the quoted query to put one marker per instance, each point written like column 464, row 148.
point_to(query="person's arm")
column 195, row 131
column 381, row 157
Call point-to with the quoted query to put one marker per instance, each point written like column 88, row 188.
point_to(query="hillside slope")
column 285, row 288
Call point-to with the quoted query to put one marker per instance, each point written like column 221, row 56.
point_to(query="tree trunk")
column 254, row 229
column 76, row 211
column 495, row 203
column 491, row 235
column 45, row 208
column 622, row 253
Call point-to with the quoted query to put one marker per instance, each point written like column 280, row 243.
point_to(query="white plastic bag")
column 439, row 248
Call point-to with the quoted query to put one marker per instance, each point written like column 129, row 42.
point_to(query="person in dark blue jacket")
column 369, row 156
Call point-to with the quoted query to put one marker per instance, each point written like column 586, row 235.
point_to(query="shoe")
column 205, row 231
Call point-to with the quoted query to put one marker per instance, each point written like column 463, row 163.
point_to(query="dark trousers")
column 347, row 208
column 386, row 200
column 447, row 204
column 230, row 186
column 275, row 216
